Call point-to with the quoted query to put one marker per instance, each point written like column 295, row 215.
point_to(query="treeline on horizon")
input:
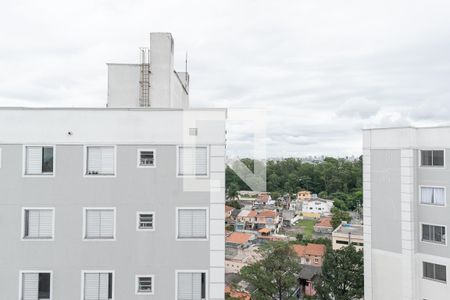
column 338, row 179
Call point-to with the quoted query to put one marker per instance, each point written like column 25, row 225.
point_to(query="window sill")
column 435, row 280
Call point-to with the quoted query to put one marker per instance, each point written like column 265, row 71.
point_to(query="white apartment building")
column 406, row 213
column 115, row 203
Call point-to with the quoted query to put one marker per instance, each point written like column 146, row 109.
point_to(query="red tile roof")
column 238, row 238
column 237, row 294
column 228, row 208
column 267, row 214
column 310, row 249
column 264, row 230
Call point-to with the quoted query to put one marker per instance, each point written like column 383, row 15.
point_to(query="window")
column 433, row 233
column 146, row 158
column 432, row 195
column 144, row 284
column 192, row 161
column 97, row 285
column 193, row 131
column 342, row 242
column 35, row 285
column 192, row 223
column 191, row 285
column 145, row 221
column 38, row 223
column 100, row 160
column 432, row 158
column 99, row 223
column 434, row 271
column 39, row 160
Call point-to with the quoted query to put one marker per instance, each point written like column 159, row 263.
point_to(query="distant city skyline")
column 321, row 71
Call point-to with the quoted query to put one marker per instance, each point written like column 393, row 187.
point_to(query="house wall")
column 132, row 189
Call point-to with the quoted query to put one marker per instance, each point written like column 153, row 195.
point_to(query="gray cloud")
column 321, row 70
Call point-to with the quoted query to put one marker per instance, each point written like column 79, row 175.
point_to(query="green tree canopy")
column 342, row 275
column 275, row 276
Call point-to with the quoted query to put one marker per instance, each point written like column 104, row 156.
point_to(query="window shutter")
column 103, row 286
column 184, row 286
column 93, row 223
column 33, row 223
column 184, row 223
column 107, row 160
column 107, row 223
column 94, row 160
column 91, row 286
column 196, row 286
column 33, row 160
column 193, row 161
column 30, row 286
column 199, row 223
column 45, row 223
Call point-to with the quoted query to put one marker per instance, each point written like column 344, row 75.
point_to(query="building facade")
column 118, row 202
column 406, row 213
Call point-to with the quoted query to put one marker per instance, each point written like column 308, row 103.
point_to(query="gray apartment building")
column 406, row 213
column 122, row 202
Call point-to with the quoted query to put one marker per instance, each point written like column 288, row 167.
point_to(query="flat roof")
column 354, row 229
column 112, row 108
column 406, row 127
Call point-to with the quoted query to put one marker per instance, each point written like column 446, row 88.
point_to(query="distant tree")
column 275, row 195
column 339, row 216
column 234, row 203
column 342, row 276
column 340, row 205
column 299, row 237
column 275, row 276
column 323, row 195
column 233, row 192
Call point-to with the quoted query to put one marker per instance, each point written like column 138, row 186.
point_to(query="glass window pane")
column 440, row 272
column 47, row 160
column 147, row 158
column 425, row 232
column 437, row 234
column 426, row 157
column 438, row 158
column 438, row 196
column 428, row 270
column 44, row 285
column 426, row 195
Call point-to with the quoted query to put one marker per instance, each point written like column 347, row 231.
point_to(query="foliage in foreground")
column 274, row 277
column 342, row 275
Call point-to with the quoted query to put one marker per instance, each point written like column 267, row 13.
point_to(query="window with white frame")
column 146, row 221
column 432, row 158
column 38, row 223
column 432, row 195
column 192, row 223
column 144, row 284
column 39, row 160
column 97, row 285
column 433, row 233
column 192, row 161
column 100, row 160
column 434, row 271
column 35, row 285
column 191, row 285
column 99, row 223
column 146, row 158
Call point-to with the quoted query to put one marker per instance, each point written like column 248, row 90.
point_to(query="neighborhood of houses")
column 261, row 219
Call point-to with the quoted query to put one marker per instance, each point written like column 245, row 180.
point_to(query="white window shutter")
column 33, row 160
column 193, row 161
column 199, row 223
column 184, row 223
column 91, row 286
column 30, row 286
column 196, row 286
column 107, row 224
column 107, row 160
column 33, row 223
column 94, row 160
column 93, row 223
column 184, row 286
column 45, row 223
column 103, row 286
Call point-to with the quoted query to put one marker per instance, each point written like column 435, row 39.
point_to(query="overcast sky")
column 320, row 70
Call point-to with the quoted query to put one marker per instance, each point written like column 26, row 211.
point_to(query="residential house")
column 310, row 254
column 238, row 256
column 245, row 220
column 345, row 234
column 324, row 225
column 316, row 208
column 228, row 212
column 267, row 219
column 306, row 279
column 263, row 199
column 304, row 195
